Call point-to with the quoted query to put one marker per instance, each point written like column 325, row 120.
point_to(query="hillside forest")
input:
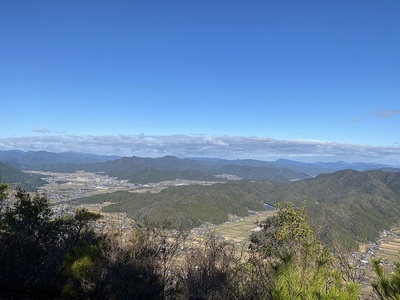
column 325, row 212
column 47, row 257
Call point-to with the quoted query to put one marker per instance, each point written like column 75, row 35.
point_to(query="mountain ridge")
column 346, row 207
column 17, row 178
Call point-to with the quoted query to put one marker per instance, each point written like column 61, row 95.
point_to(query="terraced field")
column 239, row 230
column 389, row 247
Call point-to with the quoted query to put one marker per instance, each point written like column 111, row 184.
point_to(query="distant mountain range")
column 41, row 159
column 344, row 207
column 316, row 168
column 145, row 170
column 346, row 201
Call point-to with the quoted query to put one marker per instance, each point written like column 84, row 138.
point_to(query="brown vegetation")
column 42, row 256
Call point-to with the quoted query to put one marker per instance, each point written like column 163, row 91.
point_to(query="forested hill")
column 139, row 169
column 42, row 160
column 347, row 206
column 187, row 206
column 144, row 170
column 17, row 178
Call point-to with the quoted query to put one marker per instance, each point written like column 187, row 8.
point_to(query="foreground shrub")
column 47, row 257
column 386, row 287
column 300, row 266
column 33, row 244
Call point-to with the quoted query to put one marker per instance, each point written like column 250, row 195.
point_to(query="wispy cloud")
column 230, row 147
column 41, row 130
column 355, row 120
column 386, row 114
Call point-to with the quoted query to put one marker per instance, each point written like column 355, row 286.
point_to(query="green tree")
column 386, row 287
column 3, row 191
column 33, row 244
column 301, row 268
column 115, row 270
column 43, row 256
column 287, row 231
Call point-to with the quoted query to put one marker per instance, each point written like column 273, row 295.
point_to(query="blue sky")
column 257, row 79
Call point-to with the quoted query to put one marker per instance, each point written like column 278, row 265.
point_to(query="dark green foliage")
column 285, row 232
column 46, row 257
column 110, row 271
column 17, row 178
column 29, row 252
column 108, row 197
column 33, row 244
column 346, row 206
column 139, row 267
column 301, row 267
column 187, row 206
column 343, row 208
column 3, row 191
column 386, row 287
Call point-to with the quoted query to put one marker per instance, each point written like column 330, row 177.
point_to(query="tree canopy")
column 44, row 256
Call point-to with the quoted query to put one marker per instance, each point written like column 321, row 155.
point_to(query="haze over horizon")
column 305, row 80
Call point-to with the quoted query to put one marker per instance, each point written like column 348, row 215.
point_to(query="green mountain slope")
column 187, row 206
column 345, row 207
column 17, row 178
column 144, row 170
column 348, row 205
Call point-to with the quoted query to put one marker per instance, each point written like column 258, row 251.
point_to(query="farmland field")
column 239, row 229
column 389, row 247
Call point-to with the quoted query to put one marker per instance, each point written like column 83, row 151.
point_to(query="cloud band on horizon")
column 229, row 147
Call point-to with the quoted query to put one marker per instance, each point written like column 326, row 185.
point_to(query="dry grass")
column 240, row 230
